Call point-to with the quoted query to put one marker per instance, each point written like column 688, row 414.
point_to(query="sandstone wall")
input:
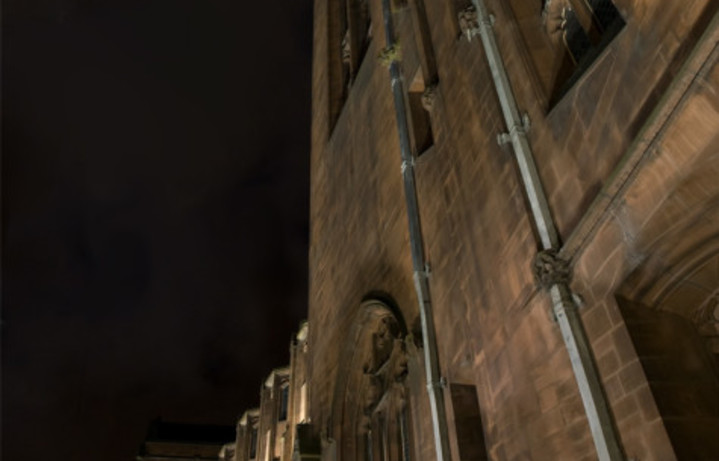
column 495, row 327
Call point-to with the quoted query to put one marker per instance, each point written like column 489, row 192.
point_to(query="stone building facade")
column 270, row 431
column 514, row 236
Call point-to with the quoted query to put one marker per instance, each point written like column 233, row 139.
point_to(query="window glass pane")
column 284, row 398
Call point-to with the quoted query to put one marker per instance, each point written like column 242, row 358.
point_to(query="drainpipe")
column 435, row 383
column 552, row 272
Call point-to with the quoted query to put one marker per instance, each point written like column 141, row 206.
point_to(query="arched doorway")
column 671, row 310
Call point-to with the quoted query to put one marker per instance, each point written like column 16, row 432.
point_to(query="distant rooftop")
column 189, row 433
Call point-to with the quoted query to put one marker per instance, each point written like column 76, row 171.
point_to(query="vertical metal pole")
column 434, row 382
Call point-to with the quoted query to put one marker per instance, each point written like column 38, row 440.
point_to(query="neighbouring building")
column 514, row 236
column 271, row 431
column 170, row 441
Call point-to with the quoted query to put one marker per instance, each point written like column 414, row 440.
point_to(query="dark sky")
column 155, row 202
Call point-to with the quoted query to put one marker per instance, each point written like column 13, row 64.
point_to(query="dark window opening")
column 361, row 31
column 605, row 14
column 383, row 442
column 350, row 36
column 338, row 64
column 575, row 38
column 561, row 39
column 284, row 401
column 356, row 38
column 345, row 52
column 587, row 28
column 419, row 117
column 468, row 423
column 682, row 376
column 404, row 435
column 368, row 446
column 253, row 443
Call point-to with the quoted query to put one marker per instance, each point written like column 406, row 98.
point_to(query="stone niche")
column 370, row 414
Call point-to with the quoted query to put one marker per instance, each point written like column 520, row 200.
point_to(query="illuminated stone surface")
column 629, row 159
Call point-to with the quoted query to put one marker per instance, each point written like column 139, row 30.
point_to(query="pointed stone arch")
column 369, row 402
column 670, row 306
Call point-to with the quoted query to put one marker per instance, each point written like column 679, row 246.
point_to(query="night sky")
column 155, row 183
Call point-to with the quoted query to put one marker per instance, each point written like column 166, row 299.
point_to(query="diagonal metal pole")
column 419, row 265
column 552, row 272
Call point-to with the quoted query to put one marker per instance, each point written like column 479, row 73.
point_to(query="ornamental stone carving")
column 346, row 48
column 549, row 269
column 468, row 22
column 386, row 369
column 554, row 17
column 428, row 97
